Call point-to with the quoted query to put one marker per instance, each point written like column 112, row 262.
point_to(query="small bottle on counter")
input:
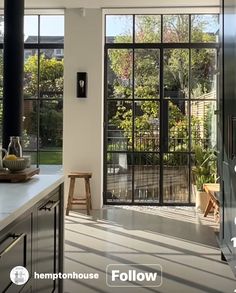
column 14, row 147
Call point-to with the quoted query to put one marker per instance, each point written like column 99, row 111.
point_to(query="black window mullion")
column 38, row 106
column 189, row 110
column 161, row 136
column 134, row 28
column 133, row 119
column 43, row 46
column 161, row 181
column 190, row 28
column 38, row 102
column 189, row 120
column 39, row 33
column 105, row 29
column 44, row 99
column 133, row 112
column 159, row 45
column 162, row 28
column 105, row 129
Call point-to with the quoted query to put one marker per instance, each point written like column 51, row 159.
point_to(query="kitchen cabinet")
column 48, row 217
column 227, row 134
column 35, row 240
column 15, row 250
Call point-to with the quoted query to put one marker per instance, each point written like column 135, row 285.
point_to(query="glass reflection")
column 119, row 177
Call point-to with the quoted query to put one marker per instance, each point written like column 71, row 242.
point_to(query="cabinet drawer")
column 17, row 289
column 11, row 255
column 15, row 250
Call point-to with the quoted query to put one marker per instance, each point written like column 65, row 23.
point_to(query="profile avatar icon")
column 19, row 275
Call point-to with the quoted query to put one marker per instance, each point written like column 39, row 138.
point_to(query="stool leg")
column 208, row 208
column 90, row 198
column 87, row 195
column 70, row 196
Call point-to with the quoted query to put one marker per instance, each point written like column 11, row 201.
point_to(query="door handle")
column 9, row 247
column 50, row 205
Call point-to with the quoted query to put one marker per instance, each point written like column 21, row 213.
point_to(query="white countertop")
column 17, row 198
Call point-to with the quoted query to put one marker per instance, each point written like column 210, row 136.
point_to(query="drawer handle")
column 50, row 205
column 14, row 243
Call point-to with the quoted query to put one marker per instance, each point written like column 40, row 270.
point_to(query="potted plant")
column 204, row 171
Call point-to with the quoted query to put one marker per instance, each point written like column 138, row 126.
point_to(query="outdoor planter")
column 202, row 199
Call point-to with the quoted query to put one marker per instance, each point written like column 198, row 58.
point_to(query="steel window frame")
column 161, row 47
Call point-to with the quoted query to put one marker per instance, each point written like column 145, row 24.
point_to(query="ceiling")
column 113, row 3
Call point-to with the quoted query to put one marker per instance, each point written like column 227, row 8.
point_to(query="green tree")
column 50, row 79
column 50, row 89
column 146, row 76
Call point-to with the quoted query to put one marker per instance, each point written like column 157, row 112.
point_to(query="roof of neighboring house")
column 45, row 39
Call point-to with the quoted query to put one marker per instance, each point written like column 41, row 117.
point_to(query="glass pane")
column 203, row 125
column 57, row 54
column 119, row 74
column 120, row 123
column 119, row 28
column 33, row 157
column 119, row 177
column 31, row 73
column 176, row 73
column 193, row 189
column 146, row 73
column 30, row 125
column 147, row 126
column 176, row 178
column 176, row 115
column 175, row 28
column 146, row 177
column 204, row 168
column 203, row 73
column 205, row 28
column 50, row 125
column 31, row 29
column 50, row 158
column 51, row 74
column 52, row 29
column 1, row 28
column 1, row 122
column 147, row 28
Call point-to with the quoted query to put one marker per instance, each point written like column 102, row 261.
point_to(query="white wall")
column 83, row 117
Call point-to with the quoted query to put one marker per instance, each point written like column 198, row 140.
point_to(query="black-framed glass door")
column 158, row 107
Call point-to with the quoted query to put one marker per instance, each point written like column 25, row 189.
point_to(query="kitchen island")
column 32, row 232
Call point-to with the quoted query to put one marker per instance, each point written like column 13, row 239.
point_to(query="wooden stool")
column 84, row 200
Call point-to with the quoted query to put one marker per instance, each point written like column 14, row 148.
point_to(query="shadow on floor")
column 181, row 226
